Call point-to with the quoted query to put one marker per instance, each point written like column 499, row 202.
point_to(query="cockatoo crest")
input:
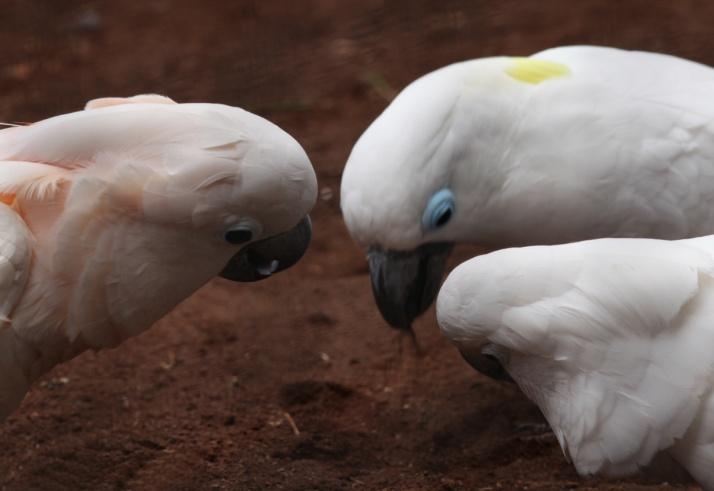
column 39, row 181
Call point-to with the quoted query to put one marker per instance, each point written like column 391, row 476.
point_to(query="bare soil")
column 296, row 382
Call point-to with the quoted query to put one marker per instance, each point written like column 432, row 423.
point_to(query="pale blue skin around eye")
column 441, row 202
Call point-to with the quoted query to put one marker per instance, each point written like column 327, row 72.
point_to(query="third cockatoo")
column 611, row 338
column 571, row 143
column 111, row 216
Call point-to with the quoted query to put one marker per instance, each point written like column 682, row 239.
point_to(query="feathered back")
column 34, row 157
column 611, row 338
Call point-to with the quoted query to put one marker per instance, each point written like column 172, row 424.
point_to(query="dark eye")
column 439, row 210
column 444, row 217
column 239, row 235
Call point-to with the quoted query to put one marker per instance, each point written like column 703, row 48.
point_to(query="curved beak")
column 489, row 361
column 405, row 283
column 266, row 257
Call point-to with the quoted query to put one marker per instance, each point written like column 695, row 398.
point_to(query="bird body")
column 569, row 144
column 111, row 216
column 611, row 338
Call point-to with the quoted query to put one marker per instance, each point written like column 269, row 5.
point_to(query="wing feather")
column 611, row 338
column 30, row 180
column 15, row 259
column 620, row 360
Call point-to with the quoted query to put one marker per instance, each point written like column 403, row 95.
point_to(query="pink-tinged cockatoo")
column 611, row 338
column 111, row 216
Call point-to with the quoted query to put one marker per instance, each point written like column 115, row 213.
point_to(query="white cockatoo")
column 111, row 216
column 569, row 144
column 611, row 338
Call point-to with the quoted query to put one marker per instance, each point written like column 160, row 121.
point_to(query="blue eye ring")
column 439, row 210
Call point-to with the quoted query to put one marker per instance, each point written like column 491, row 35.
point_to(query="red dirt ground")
column 294, row 383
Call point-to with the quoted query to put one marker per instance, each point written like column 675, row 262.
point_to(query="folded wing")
column 621, row 360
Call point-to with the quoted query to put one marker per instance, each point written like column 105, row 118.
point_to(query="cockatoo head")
column 156, row 196
column 425, row 175
column 239, row 181
column 472, row 301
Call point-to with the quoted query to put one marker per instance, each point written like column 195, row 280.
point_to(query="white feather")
column 30, row 179
column 620, row 145
column 611, row 338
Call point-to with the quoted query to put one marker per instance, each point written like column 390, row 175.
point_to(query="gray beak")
column 266, row 257
column 489, row 361
column 405, row 283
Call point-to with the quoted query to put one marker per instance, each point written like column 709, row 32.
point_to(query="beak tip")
column 487, row 365
column 404, row 325
column 401, row 327
column 405, row 283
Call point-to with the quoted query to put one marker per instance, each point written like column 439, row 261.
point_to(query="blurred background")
column 296, row 382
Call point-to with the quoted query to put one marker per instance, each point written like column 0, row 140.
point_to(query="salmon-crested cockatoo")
column 569, row 144
column 611, row 338
column 111, row 216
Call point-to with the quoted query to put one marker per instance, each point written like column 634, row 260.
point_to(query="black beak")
column 488, row 362
column 405, row 283
column 266, row 257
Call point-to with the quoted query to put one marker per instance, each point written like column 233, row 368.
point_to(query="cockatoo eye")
column 439, row 210
column 239, row 235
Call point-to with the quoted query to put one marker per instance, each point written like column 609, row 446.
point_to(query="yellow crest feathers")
column 535, row 71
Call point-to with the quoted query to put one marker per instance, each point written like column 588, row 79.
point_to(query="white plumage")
column 611, row 338
column 594, row 142
column 111, row 216
column 572, row 143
